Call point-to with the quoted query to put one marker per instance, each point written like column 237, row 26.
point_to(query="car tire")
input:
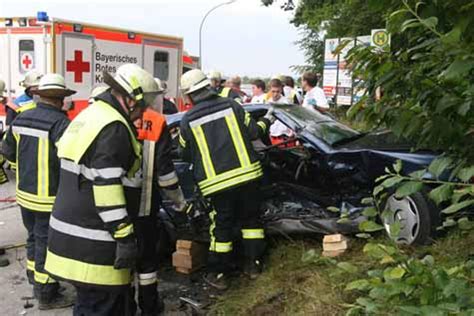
column 418, row 216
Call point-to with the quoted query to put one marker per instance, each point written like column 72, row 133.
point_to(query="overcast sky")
column 241, row 38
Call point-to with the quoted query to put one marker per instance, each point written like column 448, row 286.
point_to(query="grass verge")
column 292, row 286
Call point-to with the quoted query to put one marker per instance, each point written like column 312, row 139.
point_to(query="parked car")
column 330, row 165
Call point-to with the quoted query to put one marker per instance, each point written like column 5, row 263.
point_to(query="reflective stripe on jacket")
column 3, row 175
column 226, row 92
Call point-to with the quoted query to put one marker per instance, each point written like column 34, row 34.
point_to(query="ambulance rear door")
column 26, row 52
column 162, row 59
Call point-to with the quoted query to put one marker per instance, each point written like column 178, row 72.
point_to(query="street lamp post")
column 202, row 23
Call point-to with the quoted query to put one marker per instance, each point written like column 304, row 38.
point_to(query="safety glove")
column 126, row 254
column 177, row 197
column 182, row 221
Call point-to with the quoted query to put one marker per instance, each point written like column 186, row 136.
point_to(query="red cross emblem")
column 26, row 61
column 78, row 66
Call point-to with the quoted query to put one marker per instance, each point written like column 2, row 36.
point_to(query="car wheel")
column 417, row 215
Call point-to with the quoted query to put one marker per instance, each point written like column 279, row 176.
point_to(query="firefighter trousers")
column 146, row 231
column 92, row 301
column 37, row 226
column 239, row 206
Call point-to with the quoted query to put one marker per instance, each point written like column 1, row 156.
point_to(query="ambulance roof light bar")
column 42, row 16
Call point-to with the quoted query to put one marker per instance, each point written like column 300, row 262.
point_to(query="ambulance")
column 81, row 52
column 189, row 62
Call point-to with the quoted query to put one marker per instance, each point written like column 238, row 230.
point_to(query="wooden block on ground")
column 189, row 256
column 184, row 270
column 343, row 245
column 334, row 238
column 184, row 263
column 333, row 253
column 184, row 244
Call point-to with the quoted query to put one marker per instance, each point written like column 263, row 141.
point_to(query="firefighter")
column 92, row 242
column 217, row 84
column 215, row 136
column 3, row 175
column 143, row 201
column 25, row 101
column 30, row 143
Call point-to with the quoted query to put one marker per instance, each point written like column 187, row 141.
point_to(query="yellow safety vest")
column 225, row 92
column 84, row 129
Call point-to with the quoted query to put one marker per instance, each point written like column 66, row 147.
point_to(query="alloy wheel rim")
column 405, row 211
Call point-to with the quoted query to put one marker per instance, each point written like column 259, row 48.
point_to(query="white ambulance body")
column 81, row 52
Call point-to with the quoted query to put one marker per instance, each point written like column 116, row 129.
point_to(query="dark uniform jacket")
column 89, row 214
column 3, row 174
column 216, row 136
column 30, row 144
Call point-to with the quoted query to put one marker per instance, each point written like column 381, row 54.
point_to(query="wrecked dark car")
column 328, row 165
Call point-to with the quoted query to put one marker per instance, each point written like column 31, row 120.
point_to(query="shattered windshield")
column 318, row 124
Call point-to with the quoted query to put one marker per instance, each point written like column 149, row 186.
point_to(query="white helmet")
column 161, row 85
column 193, row 80
column 32, row 79
column 53, row 86
column 215, row 75
column 98, row 90
column 135, row 82
column 95, row 92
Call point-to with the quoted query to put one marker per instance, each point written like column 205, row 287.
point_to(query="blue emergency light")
column 42, row 16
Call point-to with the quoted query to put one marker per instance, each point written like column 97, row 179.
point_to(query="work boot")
column 160, row 308
column 150, row 301
column 217, row 280
column 57, row 302
column 253, row 269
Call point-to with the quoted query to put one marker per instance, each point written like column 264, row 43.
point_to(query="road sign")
column 330, row 67
column 380, row 38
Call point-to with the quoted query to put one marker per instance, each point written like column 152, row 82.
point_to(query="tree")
column 331, row 18
column 426, row 76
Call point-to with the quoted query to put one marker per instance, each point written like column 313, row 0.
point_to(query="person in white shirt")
column 314, row 98
column 278, row 129
column 258, row 91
